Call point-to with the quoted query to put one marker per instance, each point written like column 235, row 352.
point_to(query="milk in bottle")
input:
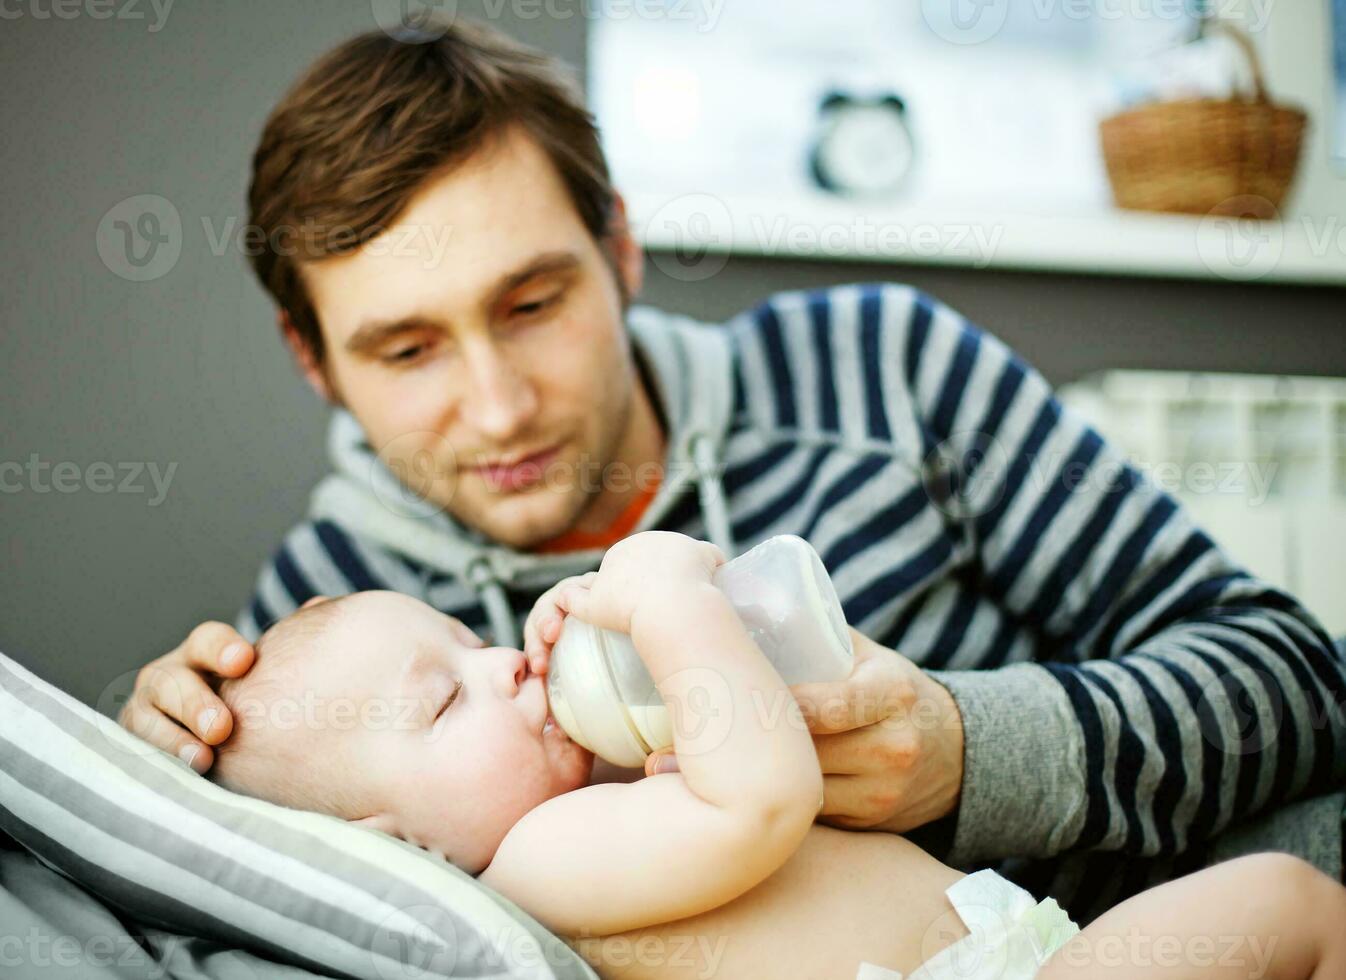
column 603, row 696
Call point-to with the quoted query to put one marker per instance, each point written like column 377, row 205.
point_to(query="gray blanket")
column 51, row 927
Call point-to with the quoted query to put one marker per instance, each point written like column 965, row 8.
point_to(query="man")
column 1082, row 665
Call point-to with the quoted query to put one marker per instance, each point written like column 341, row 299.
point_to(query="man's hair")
column 269, row 754
column 353, row 141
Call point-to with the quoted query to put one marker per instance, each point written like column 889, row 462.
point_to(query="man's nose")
column 502, row 401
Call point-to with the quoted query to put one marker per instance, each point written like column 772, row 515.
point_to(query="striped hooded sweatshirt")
column 1135, row 705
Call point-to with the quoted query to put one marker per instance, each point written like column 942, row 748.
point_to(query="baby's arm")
column 1270, row 916
column 613, row 857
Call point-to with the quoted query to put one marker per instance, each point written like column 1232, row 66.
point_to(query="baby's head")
column 376, row 708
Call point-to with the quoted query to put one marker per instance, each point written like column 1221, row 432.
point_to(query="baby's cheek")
column 581, row 768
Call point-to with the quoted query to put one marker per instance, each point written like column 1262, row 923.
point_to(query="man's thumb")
column 815, row 697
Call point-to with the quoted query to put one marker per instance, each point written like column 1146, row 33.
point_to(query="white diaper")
column 1010, row 935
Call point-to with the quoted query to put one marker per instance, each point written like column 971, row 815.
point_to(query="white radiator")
column 1259, row 461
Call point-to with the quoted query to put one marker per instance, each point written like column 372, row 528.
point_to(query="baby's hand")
column 543, row 626
column 635, row 570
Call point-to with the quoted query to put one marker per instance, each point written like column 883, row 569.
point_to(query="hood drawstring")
column 482, row 578
column 692, row 368
column 353, row 505
column 481, row 575
column 710, row 491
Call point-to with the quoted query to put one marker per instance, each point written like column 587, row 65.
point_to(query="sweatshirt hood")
column 690, row 366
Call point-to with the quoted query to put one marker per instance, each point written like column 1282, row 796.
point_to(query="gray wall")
column 187, row 371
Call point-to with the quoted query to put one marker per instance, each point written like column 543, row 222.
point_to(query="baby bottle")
column 603, row 696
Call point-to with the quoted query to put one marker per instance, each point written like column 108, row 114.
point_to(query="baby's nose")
column 513, row 666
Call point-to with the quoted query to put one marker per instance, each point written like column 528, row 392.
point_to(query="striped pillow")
column 137, row 828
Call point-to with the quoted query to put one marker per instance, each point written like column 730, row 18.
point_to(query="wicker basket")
column 1206, row 156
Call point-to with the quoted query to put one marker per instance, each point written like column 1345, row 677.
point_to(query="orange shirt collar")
column 625, row 523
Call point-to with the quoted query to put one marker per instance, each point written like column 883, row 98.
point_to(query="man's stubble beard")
column 588, row 480
column 589, row 477
column 587, row 496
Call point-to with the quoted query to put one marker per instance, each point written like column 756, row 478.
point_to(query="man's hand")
column 173, row 705
column 889, row 740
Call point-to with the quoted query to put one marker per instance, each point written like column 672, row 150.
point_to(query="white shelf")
column 1107, row 241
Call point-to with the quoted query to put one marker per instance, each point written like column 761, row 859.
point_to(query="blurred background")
column 1147, row 199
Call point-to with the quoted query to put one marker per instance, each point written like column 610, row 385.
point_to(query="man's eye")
column 537, row 306
column 405, row 355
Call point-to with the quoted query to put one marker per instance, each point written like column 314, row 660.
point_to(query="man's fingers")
column 840, row 707
column 184, row 697
column 848, row 803
column 876, row 748
column 217, row 649
column 835, row 753
column 876, row 689
column 826, row 705
column 158, row 729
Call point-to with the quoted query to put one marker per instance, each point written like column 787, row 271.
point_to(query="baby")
column 380, row 710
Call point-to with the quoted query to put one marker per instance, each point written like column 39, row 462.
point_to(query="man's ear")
column 627, row 254
column 380, row 821
column 304, row 357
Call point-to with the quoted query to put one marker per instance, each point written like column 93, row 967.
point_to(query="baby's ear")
column 380, row 821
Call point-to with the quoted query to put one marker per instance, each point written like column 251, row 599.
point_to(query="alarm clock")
column 864, row 145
